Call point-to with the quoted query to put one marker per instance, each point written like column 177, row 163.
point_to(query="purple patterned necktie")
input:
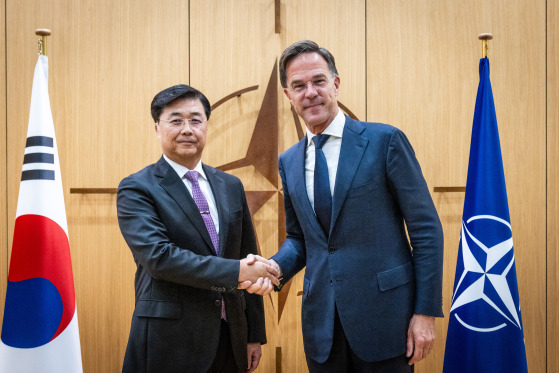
column 204, row 208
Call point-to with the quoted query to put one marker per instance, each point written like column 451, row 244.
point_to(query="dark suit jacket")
column 179, row 279
column 366, row 267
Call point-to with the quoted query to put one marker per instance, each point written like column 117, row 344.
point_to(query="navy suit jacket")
column 365, row 268
column 180, row 280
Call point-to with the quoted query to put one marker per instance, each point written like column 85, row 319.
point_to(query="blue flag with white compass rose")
column 485, row 332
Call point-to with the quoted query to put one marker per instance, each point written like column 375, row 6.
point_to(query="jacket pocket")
column 234, row 215
column 395, row 277
column 158, row 308
column 363, row 189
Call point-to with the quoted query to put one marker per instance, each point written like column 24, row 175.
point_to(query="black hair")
column 176, row 92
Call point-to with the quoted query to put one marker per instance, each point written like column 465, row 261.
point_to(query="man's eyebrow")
column 320, row 75
column 180, row 113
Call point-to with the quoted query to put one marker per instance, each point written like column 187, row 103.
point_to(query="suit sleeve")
column 147, row 237
column 254, row 303
column 422, row 222
column 291, row 256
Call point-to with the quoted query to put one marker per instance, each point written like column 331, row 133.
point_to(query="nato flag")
column 485, row 332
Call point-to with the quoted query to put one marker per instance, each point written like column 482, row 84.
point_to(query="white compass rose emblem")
column 484, row 277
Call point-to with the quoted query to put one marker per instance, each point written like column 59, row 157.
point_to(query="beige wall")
column 552, row 186
column 3, row 154
column 422, row 66
column 410, row 64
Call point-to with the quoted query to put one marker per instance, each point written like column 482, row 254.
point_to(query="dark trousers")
column 224, row 361
column 343, row 360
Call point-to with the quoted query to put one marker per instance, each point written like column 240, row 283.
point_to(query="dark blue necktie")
column 322, row 195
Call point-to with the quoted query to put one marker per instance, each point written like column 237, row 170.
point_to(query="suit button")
column 331, row 250
column 218, row 303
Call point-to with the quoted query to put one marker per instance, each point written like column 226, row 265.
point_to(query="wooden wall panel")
column 244, row 50
column 107, row 61
column 422, row 70
column 552, row 186
column 338, row 26
column 3, row 155
column 243, row 54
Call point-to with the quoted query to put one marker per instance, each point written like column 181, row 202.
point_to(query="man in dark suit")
column 188, row 226
column 351, row 189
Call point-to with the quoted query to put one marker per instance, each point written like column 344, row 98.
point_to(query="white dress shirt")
column 204, row 186
column 331, row 150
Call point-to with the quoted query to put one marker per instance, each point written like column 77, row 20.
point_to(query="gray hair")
column 302, row 47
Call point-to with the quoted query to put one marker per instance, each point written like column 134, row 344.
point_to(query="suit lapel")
column 219, row 191
column 351, row 152
column 300, row 186
column 173, row 185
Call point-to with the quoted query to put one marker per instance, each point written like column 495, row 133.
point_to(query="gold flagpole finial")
column 485, row 37
column 43, row 33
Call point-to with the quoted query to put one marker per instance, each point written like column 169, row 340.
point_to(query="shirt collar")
column 181, row 170
column 335, row 128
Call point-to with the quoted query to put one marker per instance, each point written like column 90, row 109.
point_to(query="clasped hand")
column 258, row 275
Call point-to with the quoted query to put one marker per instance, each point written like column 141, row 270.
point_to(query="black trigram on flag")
column 37, row 157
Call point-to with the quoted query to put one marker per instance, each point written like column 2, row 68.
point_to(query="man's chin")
column 313, row 111
column 187, row 149
column 314, row 120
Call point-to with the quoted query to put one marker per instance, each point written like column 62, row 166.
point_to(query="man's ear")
column 286, row 91
column 337, row 84
column 156, row 128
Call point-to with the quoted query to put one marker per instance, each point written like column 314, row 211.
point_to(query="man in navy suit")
column 351, row 189
column 188, row 225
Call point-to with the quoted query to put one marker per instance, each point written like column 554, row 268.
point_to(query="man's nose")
column 186, row 129
column 310, row 90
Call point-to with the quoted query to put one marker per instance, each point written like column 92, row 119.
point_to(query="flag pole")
column 485, row 37
column 43, row 33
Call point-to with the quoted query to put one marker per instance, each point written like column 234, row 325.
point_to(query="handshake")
column 258, row 275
